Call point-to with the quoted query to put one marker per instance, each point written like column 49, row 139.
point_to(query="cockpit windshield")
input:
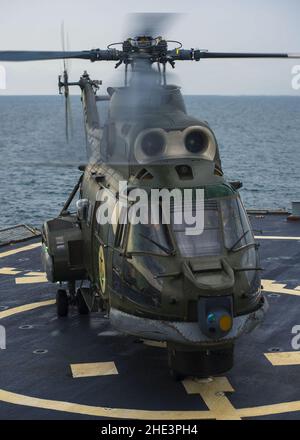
column 222, row 218
column 209, row 242
column 225, row 225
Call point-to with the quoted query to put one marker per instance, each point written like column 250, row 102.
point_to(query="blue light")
column 211, row 318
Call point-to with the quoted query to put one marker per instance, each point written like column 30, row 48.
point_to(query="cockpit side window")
column 237, row 229
column 149, row 238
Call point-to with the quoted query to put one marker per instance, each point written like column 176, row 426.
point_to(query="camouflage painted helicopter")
column 196, row 293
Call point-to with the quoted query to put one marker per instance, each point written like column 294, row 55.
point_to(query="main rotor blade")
column 24, row 55
column 204, row 54
column 63, row 43
column 67, row 118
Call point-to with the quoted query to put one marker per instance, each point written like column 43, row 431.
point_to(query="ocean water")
column 259, row 141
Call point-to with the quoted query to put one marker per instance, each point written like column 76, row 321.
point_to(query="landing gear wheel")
column 81, row 304
column 62, row 303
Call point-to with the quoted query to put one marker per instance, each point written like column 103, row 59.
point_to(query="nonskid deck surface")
column 80, row 368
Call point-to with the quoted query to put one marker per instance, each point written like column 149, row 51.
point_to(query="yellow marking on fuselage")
column 213, row 394
column 25, row 308
column 9, row 271
column 272, row 286
column 275, row 237
column 284, row 358
column 93, row 369
column 21, row 249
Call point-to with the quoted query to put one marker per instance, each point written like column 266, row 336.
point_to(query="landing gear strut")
column 81, row 304
column 62, row 303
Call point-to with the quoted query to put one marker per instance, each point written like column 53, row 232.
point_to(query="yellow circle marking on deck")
column 20, row 249
column 25, row 308
column 101, row 411
column 123, row 413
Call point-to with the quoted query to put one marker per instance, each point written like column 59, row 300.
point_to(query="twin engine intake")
column 156, row 144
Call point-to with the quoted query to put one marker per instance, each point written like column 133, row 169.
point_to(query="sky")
column 216, row 25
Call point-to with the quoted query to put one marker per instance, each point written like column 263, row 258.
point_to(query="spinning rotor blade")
column 68, row 118
column 246, row 55
column 92, row 55
column 24, row 55
column 150, row 24
column 197, row 55
column 65, row 76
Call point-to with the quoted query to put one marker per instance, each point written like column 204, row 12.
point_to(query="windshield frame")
column 235, row 247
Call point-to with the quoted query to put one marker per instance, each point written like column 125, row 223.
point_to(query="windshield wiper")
column 160, row 246
column 240, row 239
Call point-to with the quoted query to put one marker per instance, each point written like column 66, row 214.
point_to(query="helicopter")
column 196, row 293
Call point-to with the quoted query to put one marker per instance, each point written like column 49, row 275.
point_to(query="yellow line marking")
column 284, row 358
column 212, row 392
column 34, row 274
column 100, row 411
column 94, row 369
column 157, row 344
column 25, row 308
column 9, row 271
column 274, row 237
column 41, row 278
column 272, row 286
column 267, row 410
column 21, row 249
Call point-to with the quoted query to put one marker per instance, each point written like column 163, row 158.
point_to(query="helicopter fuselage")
column 198, row 292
